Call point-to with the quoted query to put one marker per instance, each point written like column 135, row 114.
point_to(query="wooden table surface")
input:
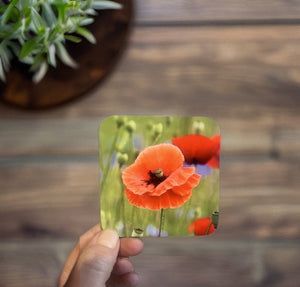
column 235, row 61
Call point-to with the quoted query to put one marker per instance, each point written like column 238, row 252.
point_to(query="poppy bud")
column 120, row 121
column 130, row 126
column 198, row 127
column 158, row 128
column 123, row 142
column 122, row 158
column 137, row 232
column 149, row 126
column 159, row 173
column 169, row 121
column 215, row 218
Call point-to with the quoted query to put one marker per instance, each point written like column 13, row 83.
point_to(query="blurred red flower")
column 215, row 159
column 157, row 179
column 202, row 226
column 199, row 149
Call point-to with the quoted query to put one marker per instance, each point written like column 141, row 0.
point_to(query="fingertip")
column 133, row 279
column 126, row 280
column 130, row 247
column 123, row 266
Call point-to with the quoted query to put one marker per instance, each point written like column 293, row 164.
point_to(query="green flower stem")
column 111, row 152
column 122, row 206
column 162, row 221
column 207, row 230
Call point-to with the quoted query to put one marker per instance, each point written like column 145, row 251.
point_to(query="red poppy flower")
column 202, row 226
column 157, row 179
column 215, row 159
column 199, row 149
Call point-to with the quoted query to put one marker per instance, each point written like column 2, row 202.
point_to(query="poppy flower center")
column 156, row 177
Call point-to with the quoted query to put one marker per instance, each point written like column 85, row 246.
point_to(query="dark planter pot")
column 64, row 84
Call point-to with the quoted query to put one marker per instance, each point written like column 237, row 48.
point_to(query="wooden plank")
column 35, row 263
column 48, row 200
column 246, row 73
column 68, row 137
column 288, row 144
column 219, row 262
column 213, row 11
column 38, row 263
column 288, row 272
column 59, row 200
column 50, row 137
column 259, row 212
column 32, row 263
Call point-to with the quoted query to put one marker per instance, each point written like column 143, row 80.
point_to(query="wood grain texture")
column 244, row 73
column 33, row 263
column 49, row 200
column 205, row 10
column 79, row 137
column 209, row 262
column 197, row 261
column 257, row 199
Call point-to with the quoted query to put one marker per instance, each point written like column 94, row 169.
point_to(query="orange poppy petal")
column 165, row 156
column 187, row 186
column 177, row 178
column 135, row 177
column 166, row 200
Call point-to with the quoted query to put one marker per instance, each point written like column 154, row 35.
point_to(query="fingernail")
column 108, row 238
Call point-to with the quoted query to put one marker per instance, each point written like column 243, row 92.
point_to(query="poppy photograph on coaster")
column 159, row 175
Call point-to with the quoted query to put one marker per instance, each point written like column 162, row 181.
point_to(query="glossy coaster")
column 159, row 175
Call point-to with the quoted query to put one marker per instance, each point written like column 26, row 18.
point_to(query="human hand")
column 100, row 258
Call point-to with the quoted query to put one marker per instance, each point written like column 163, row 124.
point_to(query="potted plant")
column 38, row 36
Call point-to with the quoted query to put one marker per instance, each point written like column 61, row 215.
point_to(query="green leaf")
column 15, row 48
column 5, row 56
column 51, row 55
column 73, row 38
column 87, row 21
column 101, row 5
column 29, row 47
column 61, row 12
column 9, row 11
column 37, row 19
column 37, row 62
column 2, row 73
column 86, row 34
column 40, row 73
column 64, row 55
column 49, row 15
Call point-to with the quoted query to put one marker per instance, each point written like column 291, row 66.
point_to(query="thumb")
column 96, row 261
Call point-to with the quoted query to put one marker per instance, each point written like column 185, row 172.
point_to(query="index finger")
column 81, row 244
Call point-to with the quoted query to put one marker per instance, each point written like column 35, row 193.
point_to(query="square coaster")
column 159, row 175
